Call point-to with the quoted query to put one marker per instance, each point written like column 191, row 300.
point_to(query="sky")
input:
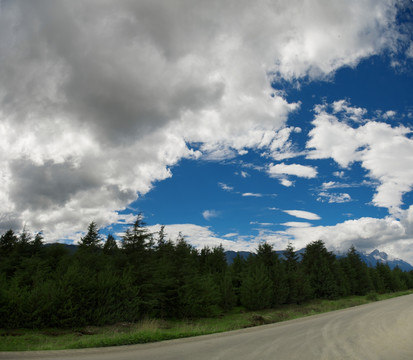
column 233, row 122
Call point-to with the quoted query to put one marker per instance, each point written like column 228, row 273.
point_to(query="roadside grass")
column 151, row 330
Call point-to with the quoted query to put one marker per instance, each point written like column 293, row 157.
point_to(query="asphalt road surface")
column 380, row 330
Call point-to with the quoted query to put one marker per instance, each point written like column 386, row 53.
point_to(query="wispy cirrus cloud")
column 226, row 187
column 324, row 196
column 250, row 194
column 303, row 214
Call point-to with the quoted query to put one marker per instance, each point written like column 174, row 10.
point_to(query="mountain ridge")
column 371, row 259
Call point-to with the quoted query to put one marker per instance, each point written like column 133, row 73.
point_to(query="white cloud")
column 389, row 114
column 249, row 194
column 328, row 185
column 296, row 224
column 230, row 235
column 339, row 174
column 303, row 214
column 261, row 223
column 409, row 51
column 286, row 182
column 200, row 237
column 334, row 197
column 353, row 113
column 278, row 170
column 385, row 152
column 389, row 234
column 99, row 99
column 323, row 140
column 209, row 214
column 226, row 187
column 280, row 146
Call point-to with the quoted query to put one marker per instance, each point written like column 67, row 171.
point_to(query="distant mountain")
column 71, row 247
column 379, row 256
column 231, row 255
column 370, row 259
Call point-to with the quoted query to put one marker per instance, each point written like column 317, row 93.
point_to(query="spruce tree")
column 319, row 264
column 110, row 247
column 92, row 239
column 8, row 242
column 137, row 239
column 256, row 289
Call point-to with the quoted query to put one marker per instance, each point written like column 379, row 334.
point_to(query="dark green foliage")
column 92, row 240
column 320, row 266
column 151, row 276
column 110, row 247
column 228, row 297
column 8, row 242
column 356, row 272
column 136, row 239
column 256, row 289
column 297, row 282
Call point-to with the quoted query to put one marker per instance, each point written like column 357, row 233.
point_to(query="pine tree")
column 357, row 273
column 319, row 265
column 92, row 239
column 110, row 247
column 137, row 239
column 292, row 276
column 37, row 243
column 269, row 259
column 8, row 242
column 161, row 237
column 256, row 289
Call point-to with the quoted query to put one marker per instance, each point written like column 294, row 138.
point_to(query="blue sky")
column 236, row 198
column 265, row 121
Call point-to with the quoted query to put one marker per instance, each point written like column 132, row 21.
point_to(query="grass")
column 151, row 330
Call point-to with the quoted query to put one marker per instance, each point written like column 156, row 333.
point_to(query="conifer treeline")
column 151, row 276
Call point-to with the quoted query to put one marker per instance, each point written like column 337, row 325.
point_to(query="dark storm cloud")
column 95, row 65
column 39, row 187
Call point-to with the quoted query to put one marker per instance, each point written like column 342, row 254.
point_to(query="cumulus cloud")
column 279, row 171
column 390, row 114
column 285, row 182
column 280, row 146
column 201, row 236
column 386, row 152
column 303, row 214
column 339, row 174
column 390, row 234
column 100, row 98
column 293, row 169
column 350, row 112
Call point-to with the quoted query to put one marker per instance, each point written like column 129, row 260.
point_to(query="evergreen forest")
column 147, row 275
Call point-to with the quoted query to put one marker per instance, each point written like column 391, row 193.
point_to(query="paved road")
column 381, row 330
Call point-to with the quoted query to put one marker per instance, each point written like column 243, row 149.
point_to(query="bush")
column 372, row 296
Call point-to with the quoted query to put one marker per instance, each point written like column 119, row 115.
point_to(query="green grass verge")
column 152, row 330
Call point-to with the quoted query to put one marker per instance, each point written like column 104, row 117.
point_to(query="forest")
column 147, row 275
